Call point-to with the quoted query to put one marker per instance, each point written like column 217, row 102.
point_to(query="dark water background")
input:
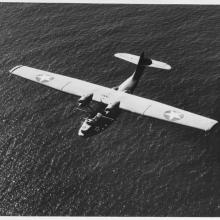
column 139, row 166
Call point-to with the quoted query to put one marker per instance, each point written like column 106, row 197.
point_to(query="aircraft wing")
column 165, row 112
column 60, row 82
column 106, row 95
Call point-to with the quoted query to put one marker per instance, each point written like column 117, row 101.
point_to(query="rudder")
column 141, row 66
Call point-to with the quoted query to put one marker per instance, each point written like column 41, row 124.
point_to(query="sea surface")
column 139, row 166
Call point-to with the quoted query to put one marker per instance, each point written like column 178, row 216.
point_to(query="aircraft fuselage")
column 103, row 115
column 99, row 118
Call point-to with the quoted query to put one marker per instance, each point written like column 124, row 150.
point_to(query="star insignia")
column 43, row 78
column 173, row 115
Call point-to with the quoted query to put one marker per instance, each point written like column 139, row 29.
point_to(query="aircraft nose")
column 84, row 129
column 80, row 133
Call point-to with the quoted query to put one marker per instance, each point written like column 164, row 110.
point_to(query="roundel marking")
column 44, row 78
column 173, row 115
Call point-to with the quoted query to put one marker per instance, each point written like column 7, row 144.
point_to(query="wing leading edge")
column 106, row 95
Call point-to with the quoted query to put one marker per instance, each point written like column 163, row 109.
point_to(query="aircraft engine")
column 112, row 107
column 85, row 100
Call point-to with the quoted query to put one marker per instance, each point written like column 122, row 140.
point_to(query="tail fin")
column 145, row 61
column 141, row 66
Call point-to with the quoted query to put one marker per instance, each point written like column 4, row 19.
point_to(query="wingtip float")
column 110, row 101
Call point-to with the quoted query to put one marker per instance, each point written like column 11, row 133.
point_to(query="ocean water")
column 137, row 167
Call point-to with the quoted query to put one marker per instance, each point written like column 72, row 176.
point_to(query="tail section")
column 131, row 83
column 144, row 61
column 141, row 66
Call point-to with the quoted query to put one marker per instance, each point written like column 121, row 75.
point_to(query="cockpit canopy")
column 92, row 121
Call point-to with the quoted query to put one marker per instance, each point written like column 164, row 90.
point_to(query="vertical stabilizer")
column 141, row 66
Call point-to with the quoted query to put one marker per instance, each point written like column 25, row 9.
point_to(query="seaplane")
column 109, row 102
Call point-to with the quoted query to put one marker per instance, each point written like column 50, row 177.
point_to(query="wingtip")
column 169, row 67
column 14, row 68
column 212, row 125
column 118, row 54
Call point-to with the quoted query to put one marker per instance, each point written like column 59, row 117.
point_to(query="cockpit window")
column 91, row 121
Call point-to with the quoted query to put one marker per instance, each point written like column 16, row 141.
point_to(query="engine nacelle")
column 112, row 107
column 85, row 100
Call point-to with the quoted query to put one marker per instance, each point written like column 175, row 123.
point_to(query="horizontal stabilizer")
column 134, row 59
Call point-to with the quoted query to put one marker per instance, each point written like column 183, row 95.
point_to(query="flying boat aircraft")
column 110, row 101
